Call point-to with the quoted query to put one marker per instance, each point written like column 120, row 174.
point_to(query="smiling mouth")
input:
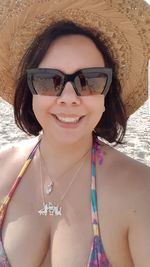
column 68, row 119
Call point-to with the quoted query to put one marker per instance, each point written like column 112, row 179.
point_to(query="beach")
column 137, row 138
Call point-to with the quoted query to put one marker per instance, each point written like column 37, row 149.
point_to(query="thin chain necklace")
column 49, row 187
column 50, row 208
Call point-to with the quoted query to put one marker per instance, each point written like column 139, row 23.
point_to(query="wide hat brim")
column 125, row 27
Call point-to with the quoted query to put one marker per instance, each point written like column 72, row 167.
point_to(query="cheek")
column 97, row 105
column 41, row 104
column 96, row 108
column 37, row 106
column 100, row 106
column 99, row 109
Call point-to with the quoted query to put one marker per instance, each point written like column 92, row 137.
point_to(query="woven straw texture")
column 124, row 24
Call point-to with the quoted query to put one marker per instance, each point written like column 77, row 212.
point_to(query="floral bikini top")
column 97, row 256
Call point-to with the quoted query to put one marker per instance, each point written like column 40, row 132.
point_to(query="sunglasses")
column 86, row 82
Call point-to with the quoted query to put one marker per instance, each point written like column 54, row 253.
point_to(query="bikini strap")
column 96, row 153
column 7, row 198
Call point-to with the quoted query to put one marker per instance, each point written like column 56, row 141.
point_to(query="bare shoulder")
column 127, row 180
column 130, row 199
column 125, row 167
column 13, row 149
column 11, row 159
column 15, row 152
column 124, row 200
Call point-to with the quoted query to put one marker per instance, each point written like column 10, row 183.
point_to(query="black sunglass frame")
column 69, row 77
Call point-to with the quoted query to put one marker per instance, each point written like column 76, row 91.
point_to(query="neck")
column 61, row 157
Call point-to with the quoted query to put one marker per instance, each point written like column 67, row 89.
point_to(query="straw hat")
column 125, row 26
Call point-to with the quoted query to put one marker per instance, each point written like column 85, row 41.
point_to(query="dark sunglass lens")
column 81, row 84
column 91, row 83
column 96, row 85
column 47, row 85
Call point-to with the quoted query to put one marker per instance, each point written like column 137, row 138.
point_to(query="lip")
column 70, row 125
column 63, row 115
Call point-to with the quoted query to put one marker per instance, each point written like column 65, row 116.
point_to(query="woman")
column 68, row 94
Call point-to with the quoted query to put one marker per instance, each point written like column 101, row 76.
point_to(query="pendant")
column 50, row 209
column 49, row 188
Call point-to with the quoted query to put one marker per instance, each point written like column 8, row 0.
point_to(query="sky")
column 148, row 1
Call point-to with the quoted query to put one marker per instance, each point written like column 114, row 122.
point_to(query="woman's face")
column 69, row 118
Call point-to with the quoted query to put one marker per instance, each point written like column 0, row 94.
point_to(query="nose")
column 68, row 96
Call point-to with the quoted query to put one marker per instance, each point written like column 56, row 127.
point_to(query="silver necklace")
column 50, row 208
column 49, row 188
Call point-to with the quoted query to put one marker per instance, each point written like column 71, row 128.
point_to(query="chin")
column 68, row 139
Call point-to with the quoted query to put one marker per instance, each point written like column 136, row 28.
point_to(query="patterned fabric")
column 97, row 256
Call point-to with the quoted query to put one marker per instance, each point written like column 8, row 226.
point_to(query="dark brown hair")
column 111, row 126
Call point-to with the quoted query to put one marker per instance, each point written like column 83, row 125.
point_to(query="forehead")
column 72, row 52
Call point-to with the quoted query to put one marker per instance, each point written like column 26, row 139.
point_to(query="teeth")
column 74, row 120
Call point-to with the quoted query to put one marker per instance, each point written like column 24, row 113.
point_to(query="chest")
column 31, row 240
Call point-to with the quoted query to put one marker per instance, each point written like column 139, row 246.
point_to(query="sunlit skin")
column 122, row 184
column 68, row 54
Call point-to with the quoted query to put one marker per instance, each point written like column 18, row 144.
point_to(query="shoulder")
column 130, row 201
column 123, row 166
column 127, row 183
column 16, row 147
column 16, row 152
column 12, row 158
column 123, row 195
